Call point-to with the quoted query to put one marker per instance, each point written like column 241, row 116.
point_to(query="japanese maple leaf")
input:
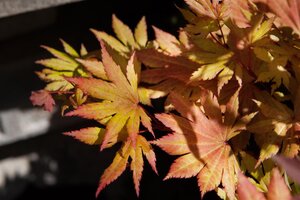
column 42, row 98
column 215, row 60
column 126, row 40
column 167, row 42
column 118, row 100
column 94, row 136
column 200, row 136
column 135, row 152
column 277, row 189
column 64, row 64
column 168, row 74
column 288, row 12
column 239, row 11
column 277, row 130
column 242, row 40
column 207, row 8
column 164, row 66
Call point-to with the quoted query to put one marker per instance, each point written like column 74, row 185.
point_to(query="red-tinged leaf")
column 174, row 85
column 185, row 167
column 211, row 106
column 166, row 67
column 116, row 168
column 167, row 42
column 140, row 33
column 135, row 153
column 193, row 113
column 146, row 120
column 91, row 135
column 173, row 144
column 95, row 67
column 247, row 191
column 154, row 76
column 288, row 12
column 229, row 178
column 239, row 12
column 210, row 177
column 42, row 98
column 133, row 125
column 150, row 155
column 153, row 58
column 203, row 133
column 292, row 166
column 137, row 165
column 176, row 123
column 277, row 188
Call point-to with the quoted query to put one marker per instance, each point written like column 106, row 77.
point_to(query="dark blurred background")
column 36, row 160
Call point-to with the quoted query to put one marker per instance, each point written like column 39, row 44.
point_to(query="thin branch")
column 223, row 37
column 215, row 39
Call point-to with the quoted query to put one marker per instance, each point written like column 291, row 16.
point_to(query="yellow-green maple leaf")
column 118, row 100
column 276, row 128
column 63, row 65
column 126, row 40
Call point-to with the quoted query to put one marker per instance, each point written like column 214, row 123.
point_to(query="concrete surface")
column 13, row 7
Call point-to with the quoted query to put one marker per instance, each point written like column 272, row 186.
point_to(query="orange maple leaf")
column 201, row 135
column 118, row 166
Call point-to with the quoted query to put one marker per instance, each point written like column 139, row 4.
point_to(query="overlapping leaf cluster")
column 228, row 83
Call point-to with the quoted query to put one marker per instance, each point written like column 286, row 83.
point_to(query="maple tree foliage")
column 204, row 136
column 223, row 96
